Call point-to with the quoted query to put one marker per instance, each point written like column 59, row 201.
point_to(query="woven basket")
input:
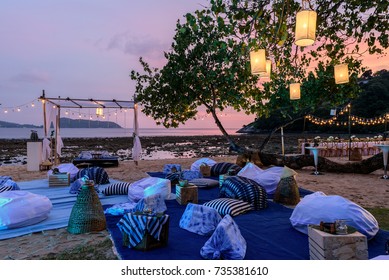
column 87, row 213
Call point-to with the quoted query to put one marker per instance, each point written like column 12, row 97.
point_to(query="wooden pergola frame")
column 80, row 103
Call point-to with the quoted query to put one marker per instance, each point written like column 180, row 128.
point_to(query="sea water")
column 24, row 133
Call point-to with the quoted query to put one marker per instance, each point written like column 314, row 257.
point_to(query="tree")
column 209, row 66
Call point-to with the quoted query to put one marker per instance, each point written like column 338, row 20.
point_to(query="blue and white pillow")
column 224, row 168
column 7, row 184
column 229, row 206
column 244, row 189
column 120, row 188
column 171, row 168
column 95, row 173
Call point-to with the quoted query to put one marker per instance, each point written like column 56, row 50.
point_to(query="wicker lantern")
column 99, row 111
column 294, row 90
column 268, row 70
column 341, row 73
column 305, row 28
column 258, row 62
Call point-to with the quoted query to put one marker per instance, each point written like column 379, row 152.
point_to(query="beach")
column 367, row 190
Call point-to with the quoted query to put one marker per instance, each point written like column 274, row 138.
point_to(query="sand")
column 366, row 190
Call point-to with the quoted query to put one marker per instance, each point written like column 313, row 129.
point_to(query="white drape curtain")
column 137, row 147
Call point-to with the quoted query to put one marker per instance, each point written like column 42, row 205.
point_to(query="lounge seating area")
column 243, row 206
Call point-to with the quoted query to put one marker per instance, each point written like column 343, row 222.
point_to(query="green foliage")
column 208, row 64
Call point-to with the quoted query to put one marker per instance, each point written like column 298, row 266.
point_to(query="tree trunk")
column 296, row 162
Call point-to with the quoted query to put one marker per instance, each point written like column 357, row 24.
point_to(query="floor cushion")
column 95, row 173
column 196, row 165
column 226, row 242
column 199, row 219
column 22, row 208
column 7, row 184
column 221, row 168
column 244, row 189
column 317, row 207
column 148, row 186
column 267, row 178
column 229, row 206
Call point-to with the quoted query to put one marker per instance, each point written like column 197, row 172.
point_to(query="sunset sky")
column 86, row 49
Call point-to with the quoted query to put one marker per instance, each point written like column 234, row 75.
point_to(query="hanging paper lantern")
column 294, row 90
column 258, row 62
column 268, row 70
column 341, row 73
column 99, row 111
column 305, row 28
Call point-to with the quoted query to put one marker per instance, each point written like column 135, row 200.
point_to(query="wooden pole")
column 349, row 131
column 282, row 141
column 56, row 158
column 44, row 113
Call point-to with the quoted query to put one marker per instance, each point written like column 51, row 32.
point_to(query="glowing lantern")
column 258, row 62
column 341, row 73
column 305, row 28
column 294, row 90
column 99, row 111
column 268, row 70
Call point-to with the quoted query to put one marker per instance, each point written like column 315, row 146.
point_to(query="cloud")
column 31, row 77
column 137, row 45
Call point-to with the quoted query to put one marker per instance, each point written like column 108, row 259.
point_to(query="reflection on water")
column 24, row 133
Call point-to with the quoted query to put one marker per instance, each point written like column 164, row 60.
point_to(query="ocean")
column 24, row 133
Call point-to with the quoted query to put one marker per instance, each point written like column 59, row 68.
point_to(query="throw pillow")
column 224, row 168
column 230, row 206
column 244, row 189
column 117, row 189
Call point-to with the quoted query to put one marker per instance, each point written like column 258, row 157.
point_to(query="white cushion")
column 266, row 178
column 196, row 165
column 149, row 186
column 318, row 207
column 22, row 208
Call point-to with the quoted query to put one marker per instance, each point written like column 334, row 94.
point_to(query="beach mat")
column 268, row 233
column 62, row 202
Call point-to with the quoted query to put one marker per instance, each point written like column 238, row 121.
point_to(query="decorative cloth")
column 199, row 219
column 135, row 226
column 226, row 243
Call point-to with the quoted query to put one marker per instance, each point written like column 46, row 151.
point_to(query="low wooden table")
column 188, row 194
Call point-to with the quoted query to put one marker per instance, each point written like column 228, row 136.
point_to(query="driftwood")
column 296, row 162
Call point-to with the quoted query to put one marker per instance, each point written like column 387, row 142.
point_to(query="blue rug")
column 268, row 233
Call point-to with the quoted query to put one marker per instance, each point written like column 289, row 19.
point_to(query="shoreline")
column 14, row 151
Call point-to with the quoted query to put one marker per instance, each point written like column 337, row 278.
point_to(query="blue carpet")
column 268, row 233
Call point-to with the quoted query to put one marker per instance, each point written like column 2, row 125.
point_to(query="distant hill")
column 67, row 123
column 80, row 123
column 17, row 125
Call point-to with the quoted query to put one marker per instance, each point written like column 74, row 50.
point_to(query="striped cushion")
column 244, row 189
column 224, row 168
column 97, row 174
column 230, row 206
column 117, row 189
column 8, row 185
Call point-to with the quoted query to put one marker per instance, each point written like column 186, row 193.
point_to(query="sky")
column 86, row 49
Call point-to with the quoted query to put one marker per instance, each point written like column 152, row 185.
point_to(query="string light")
column 355, row 119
